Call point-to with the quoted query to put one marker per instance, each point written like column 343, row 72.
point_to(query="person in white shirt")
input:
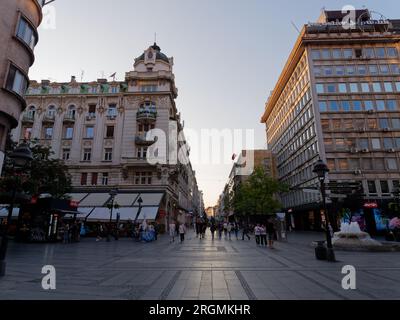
column 263, row 235
column 257, row 233
column 182, row 231
column 172, row 231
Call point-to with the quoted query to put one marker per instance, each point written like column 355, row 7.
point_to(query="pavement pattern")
column 196, row 270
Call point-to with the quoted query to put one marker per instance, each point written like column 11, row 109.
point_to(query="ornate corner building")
column 101, row 128
column 18, row 37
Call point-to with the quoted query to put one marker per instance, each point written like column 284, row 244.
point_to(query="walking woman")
column 271, row 234
column 263, row 235
column 172, row 231
column 257, row 233
column 182, row 231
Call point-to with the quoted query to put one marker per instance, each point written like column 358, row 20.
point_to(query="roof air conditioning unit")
column 386, row 129
column 370, row 111
column 354, row 150
column 357, row 172
column 362, row 130
column 365, row 150
column 391, row 150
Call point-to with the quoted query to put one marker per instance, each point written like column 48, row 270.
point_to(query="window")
column 16, row 81
column 337, row 53
column 373, row 69
column 108, row 154
column 69, row 132
column 384, row 69
column 384, row 123
column 317, row 71
column 392, row 52
column 71, row 112
column 94, row 178
column 348, row 124
column 333, row 106
column 384, row 187
column 376, row 86
column 391, row 105
column 371, row 187
column 380, row 52
column 346, row 106
column 340, row 71
column 376, row 144
column 372, row 124
column 112, row 110
column 357, row 106
column 328, row 71
column 66, row 154
column 343, row 164
column 323, row 106
column 367, row 164
column 331, row 88
column 397, row 142
column 149, row 88
column 369, row 105
column 84, row 177
column 365, row 87
column 350, row 70
column 363, row 143
column 378, row 164
column 337, row 124
column 114, row 89
column 316, row 54
column 48, row 132
column 391, row 164
column 354, row 164
column 87, row 154
column 142, row 153
column 388, row 87
column 396, row 123
column 326, row 54
column 104, row 179
column 93, row 89
column 325, row 125
column 362, row 70
column 348, row 53
column 342, row 88
column 353, row 87
column 369, row 53
column 27, row 133
column 110, row 132
column 89, row 132
column 26, row 33
column 331, row 164
column 143, row 178
column 340, row 144
column 388, row 143
column 395, row 69
column 320, row 88
column 380, row 105
column 92, row 110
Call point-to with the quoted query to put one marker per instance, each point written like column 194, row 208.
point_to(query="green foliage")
column 45, row 174
column 257, row 195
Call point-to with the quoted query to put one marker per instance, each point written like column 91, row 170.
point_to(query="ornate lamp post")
column 139, row 201
column 20, row 157
column 321, row 169
column 112, row 193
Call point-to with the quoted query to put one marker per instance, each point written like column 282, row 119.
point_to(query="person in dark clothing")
column 212, row 229
column 246, row 232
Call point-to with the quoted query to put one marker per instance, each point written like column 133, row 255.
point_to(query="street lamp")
column 20, row 157
column 140, row 201
column 112, row 193
column 321, row 169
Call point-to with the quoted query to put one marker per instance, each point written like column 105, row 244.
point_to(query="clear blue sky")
column 228, row 53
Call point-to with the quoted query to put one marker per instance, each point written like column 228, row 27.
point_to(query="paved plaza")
column 197, row 269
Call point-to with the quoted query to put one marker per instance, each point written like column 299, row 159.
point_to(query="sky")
column 228, row 55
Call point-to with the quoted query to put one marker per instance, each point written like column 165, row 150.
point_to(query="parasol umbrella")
column 394, row 223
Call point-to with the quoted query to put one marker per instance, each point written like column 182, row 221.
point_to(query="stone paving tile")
column 197, row 269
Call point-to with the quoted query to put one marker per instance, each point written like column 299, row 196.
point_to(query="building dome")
column 159, row 54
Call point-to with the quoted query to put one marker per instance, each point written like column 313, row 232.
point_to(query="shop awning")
column 127, row 213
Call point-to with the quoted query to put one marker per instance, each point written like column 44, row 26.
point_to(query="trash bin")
column 320, row 250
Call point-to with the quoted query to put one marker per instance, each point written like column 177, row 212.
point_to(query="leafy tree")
column 257, row 195
column 45, row 174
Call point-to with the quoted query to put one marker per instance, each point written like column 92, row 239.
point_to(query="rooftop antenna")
column 294, row 26
column 82, row 74
column 155, row 37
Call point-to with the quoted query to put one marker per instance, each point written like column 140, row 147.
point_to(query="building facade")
column 18, row 36
column 338, row 99
column 123, row 135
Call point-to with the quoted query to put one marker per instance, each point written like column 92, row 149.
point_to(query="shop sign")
column 370, row 205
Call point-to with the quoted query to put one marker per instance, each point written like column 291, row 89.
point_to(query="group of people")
column 176, row 229
column 71, row 232
column 265, row 234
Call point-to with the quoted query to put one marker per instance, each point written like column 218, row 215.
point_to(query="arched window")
column 31, row 112
column 51, row 111
column 71, row 111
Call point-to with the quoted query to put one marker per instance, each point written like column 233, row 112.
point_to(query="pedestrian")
column 263, row 235
column 257, row 233
column 66, row 233
column 236, row 229
column 220, row 230
column 271, row 234
column 156, row 231
column 246, row 232
column 203, row 230
column 182, row 231
column 212, row 229
column 229, row 230
column 172, row 231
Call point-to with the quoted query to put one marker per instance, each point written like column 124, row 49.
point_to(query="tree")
column 257, row 195
column 44, row 174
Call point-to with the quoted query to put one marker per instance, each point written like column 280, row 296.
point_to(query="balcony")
column 69, row 118
column 28, row 118
column 90, row 116
column 146, row 115
column 49, row 118
column 140, row 140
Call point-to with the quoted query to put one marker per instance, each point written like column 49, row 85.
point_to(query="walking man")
column 263, row 235
column 182, row 231
column 271, row 234
column 257, row 233
column 246, row 232
column 172, row 231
